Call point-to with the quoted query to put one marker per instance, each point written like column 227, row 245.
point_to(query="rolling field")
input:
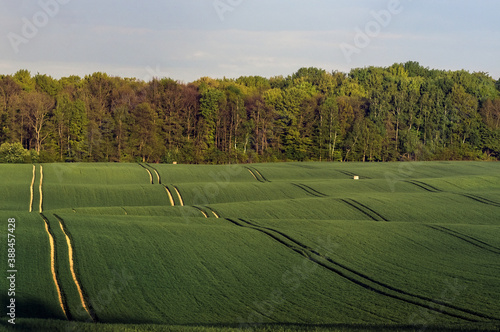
column 289, row 246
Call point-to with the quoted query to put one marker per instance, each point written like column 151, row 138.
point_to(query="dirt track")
column 170, row 197
column 32, row 189
column 53, row 268
column 72, row 268
column 40, row 188
column 180, row 197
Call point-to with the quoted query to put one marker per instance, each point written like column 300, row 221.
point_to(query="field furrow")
column 364, row 209
column 40, row 189
column 259, row 174
column 215, row 213
column 53, row 267
column 466, row 238
column 410, row 246
column 32, row 189
column 178, row 195
column 254, row 176
column 149, row 173
column 205, row 214
column 481, row 200
column 72, row 268
column 158, row 177
column 424, row 186
column 309, row 190
column 363, row 280
column 170, row 197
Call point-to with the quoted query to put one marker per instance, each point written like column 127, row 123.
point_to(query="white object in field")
column 356, row 177
column 175, row 163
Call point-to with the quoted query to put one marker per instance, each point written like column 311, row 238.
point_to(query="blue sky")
column 188, row 39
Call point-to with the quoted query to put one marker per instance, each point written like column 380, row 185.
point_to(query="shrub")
column 14, row 153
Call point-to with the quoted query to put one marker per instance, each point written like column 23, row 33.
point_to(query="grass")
column 298, row 246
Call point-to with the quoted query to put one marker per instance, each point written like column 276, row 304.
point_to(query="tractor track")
column 253, row 174
column 363, row 280
column 156, row 172
column 149, row 172
column 72, row 268
column 32, row 188
column 40, row 189
column 256, row 174
column 170, row 197
column 309, row 190
column 372, row 214
column 62, row 302
column 481, row 199
column 215, row 213
column 179, row 195
column 469, row 239
column 424, row 186
column 201, row 210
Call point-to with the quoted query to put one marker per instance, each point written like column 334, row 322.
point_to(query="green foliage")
column 24, row 79
column 14, row 153
column 401, row 112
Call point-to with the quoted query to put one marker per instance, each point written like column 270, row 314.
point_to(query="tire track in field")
column 179, row 195
column 253, row 174
column 481, row 199
column 424, row 186
column 260, row 175
column 364, row 280
column 40, row 189
column 170, row 197
column 72, row 268
column 53, row 266
column 372, row 214
column 309, row 190
column 256, row 174
column 149, row 172
column 201, row 210
column 469, row 239
column 158, row 177
column 32, row 188
column 215, row 213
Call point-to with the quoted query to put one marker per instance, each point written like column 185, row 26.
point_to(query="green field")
column 286, row 246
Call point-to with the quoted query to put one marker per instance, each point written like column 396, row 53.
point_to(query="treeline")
column 402, row 112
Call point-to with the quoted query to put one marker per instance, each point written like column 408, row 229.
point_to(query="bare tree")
column 36, row 106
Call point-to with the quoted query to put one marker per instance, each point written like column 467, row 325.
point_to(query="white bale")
column 356, row 177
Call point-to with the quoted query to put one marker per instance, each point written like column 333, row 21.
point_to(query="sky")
column 188, row 39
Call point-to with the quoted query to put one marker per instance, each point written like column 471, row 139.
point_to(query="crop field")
column 265, row 247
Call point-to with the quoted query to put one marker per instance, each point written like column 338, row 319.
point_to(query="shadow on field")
column 30, row 308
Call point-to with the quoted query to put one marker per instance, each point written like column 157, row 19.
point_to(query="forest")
column 373, row 114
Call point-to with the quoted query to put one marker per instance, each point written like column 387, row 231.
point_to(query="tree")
column 70, row 119
column 210, row 102
column 464, row 108
column 491, row 113
column 36, row 106
column 144, row 136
